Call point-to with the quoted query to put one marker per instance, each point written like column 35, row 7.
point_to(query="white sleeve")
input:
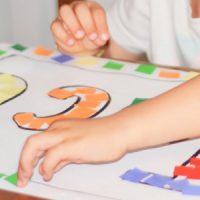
column 129, row 24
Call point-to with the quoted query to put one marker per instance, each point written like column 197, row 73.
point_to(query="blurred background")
column 28, row 21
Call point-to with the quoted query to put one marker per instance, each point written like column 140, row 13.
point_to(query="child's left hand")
column 72, row 141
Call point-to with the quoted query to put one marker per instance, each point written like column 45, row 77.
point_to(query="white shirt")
column 163, row 29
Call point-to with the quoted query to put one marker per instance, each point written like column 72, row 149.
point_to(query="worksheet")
column 39, row 86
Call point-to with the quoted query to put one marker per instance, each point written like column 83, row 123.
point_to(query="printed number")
column 90, row 102
column 11, row 87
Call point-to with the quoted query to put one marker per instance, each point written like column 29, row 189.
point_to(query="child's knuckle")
column 63, row 10
column 31, row 140
column 79, row 7
column 99, row 12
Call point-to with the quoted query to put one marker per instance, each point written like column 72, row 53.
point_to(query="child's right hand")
column 73, row 141
column 80, row 28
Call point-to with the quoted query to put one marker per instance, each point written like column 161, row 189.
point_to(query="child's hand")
column 80, row 28
column 72, row 141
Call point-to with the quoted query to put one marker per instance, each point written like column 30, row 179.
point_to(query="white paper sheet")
column 85, row 181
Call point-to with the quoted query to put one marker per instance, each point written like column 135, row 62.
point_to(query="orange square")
column 41, row 51
column 169, row 74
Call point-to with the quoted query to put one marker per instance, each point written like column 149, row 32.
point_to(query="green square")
column 113, row 65
column 2, row 52
column 146, row 68
column 12, row 179
column 2, row 175
column 137, row 101
column 19, row 47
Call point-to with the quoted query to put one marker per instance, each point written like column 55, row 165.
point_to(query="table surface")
column 5, row 195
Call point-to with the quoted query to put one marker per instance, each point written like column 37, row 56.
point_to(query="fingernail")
column 93, row 36
column 70, row 42
column 46, row 178
column 104, row 37
column 79, row 34
column 19, row 183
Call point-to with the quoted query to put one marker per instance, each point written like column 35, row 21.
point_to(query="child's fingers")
column 51, row 161
column 76, row 21
column 59, row 156
column 79, row 48
column 75, row 49
column 85, row 18
column 62, row 37
column 32, row 150
column 99, row 17
column 57, row 168
column 71, row 21
column 89, row 45
column 61, row 34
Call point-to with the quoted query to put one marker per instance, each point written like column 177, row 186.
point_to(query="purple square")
column 157, row 180
column 178, row 185
column 62, row 58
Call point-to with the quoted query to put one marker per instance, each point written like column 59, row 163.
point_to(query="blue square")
column 135, row 175
column 62, row 58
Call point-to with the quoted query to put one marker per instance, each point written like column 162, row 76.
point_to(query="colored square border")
column 18, row 47
column 113, row 65
column 2, row 52
column 62, row 58
column 146, row 69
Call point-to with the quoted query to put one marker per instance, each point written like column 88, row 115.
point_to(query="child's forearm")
column 172, row 116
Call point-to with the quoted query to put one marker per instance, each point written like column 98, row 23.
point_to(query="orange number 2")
column 90, row 102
